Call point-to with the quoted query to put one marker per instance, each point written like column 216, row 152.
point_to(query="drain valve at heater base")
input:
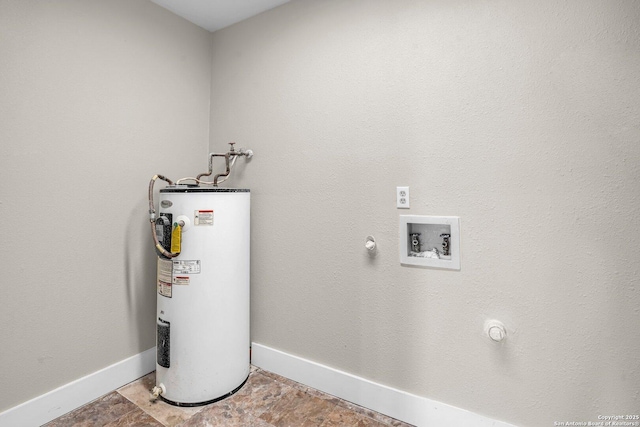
column 157, row 391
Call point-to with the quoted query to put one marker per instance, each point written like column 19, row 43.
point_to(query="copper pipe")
column 215, row 178
column 227, row 156
column 211, row 156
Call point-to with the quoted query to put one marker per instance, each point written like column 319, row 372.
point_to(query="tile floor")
column 266, row 400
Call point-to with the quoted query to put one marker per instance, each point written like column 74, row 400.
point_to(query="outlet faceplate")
column 402, row 197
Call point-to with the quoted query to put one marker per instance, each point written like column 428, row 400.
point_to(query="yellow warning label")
column 176, row 239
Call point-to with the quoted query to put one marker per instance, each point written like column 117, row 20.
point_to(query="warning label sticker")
column 181, row 280
column 164, row 274
column 203, row 217
column 186, row 267
column 164, row 288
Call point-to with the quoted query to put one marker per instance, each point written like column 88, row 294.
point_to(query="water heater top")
column 196, row 189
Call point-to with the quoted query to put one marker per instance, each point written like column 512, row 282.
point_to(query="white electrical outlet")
column 402, row 197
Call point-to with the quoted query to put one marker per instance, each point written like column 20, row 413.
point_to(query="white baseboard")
column 55, row 403
column 398, row 404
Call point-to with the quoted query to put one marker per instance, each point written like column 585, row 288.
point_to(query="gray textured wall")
column 520, row 117
column 95, row 98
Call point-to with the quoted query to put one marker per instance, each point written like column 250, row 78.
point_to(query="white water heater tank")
column 203, row 295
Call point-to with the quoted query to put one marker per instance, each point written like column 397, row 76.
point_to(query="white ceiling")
column 213, row 15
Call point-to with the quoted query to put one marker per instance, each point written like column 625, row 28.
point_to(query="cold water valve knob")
column 415, row 242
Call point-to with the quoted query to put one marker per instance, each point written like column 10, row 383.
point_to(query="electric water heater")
column 203, row 293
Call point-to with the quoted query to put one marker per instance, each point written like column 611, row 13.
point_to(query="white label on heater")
column 181, row 280
column 186, row 267
column 203, row 217
column 164, row 288
column 165, row 268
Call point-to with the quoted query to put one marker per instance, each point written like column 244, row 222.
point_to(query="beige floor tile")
column 341, row 417
column 98, row 413
column 259, row 394
column 266, row 400
column 384, row 419
column 224, row 413
column 300, row 409
column 135, row 418
column 138, row 392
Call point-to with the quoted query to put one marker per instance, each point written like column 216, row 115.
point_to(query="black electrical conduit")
column 152, row 218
